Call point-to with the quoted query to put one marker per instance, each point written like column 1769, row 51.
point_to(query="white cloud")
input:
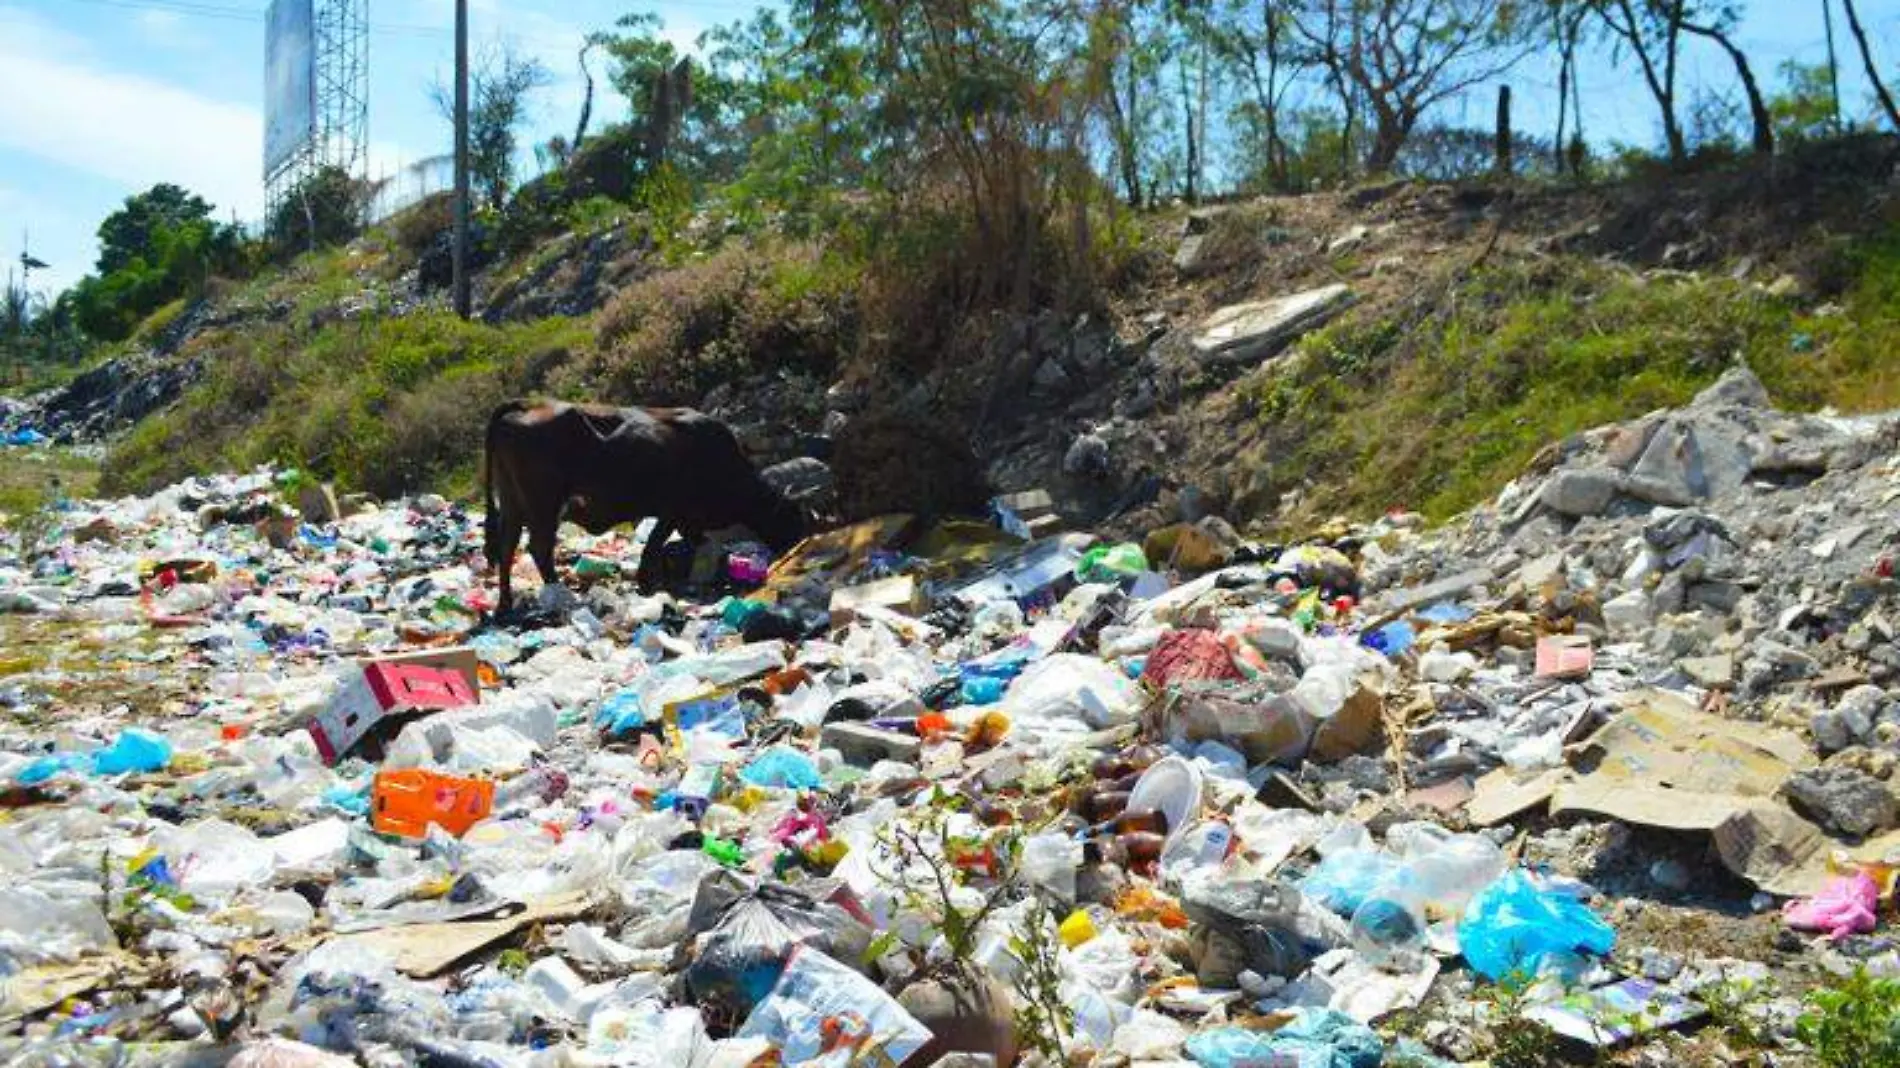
column 65, row 107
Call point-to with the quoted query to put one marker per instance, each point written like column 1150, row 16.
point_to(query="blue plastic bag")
column 1514, row 926
column 1318, row 1038
column 621, row 713
column 48, row 767
column 1343, row 881
column 133, row 750
column 782, row 768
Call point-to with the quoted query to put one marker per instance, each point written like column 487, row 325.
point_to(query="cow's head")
column 780, row 522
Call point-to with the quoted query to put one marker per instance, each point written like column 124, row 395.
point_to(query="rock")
column 1738, row 388
column 1843, row 799
column 1348, row 239
column 317, row 504
column 1628, row 615
column 1715, row 596
column 1860, row 708
column 1694, row 457
column 800, row 479
column 1657, row 965
column 1188, row 259
column 1542, row 570
column 1087, row 457
column 1671, row 874
column 1830, row 730
column 1581, row 493
column 1051, row 376
column 1710, row 672
column 1246, row 333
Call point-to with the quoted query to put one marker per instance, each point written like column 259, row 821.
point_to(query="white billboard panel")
column 290, row 80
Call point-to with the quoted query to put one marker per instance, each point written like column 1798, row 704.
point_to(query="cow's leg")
column 694, row 538
column 542, row 529
column 651, row 555
column 508, row 542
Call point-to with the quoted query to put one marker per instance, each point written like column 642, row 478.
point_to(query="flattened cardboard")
column 1504, row 795
column 424, row 950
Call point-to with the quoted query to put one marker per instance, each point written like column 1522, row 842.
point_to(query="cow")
column 599, row 466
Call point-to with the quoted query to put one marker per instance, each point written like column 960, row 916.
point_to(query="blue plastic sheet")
column 1514, row 926
column 1392, row 640
column 1318, row 1038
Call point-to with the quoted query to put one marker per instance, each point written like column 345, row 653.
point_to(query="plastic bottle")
column 1145, row 821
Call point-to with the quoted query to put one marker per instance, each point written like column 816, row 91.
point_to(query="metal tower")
column 340, row 134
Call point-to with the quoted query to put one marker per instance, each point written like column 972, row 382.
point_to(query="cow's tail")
column 491, row 514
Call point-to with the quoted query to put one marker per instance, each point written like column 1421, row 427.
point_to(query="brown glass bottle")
column 1133, row 850
column 1140, row 821
column 1132, row 762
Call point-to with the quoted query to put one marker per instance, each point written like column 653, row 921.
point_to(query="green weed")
column 1855, row 1024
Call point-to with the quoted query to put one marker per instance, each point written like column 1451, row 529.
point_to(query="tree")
column 1567, row 18
column 498, row 93
column 127, row 233
column 1804, row 108
column 1404, row 56
column 1867, row 59
column 322, row 210
column 1270, row 66
column 1718, row 28
column 1652, row 31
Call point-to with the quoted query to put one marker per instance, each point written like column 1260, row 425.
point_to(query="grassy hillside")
column 1490, row 323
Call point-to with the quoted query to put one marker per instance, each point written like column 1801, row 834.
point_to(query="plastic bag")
column 1514, row 926
column 133, row 750
column 822, row 1013
column 1069, row 685
column 1148, row 1036
column 1111, row 563
column 1246, row 925
column 1846, row 905
column 1344, row 880
column 1317, row 1038
column 782, row 768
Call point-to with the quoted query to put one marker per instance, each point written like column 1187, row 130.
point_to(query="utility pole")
column 1833, row 66
column 462, row 301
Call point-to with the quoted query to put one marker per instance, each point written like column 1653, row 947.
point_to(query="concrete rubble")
column 279, row 789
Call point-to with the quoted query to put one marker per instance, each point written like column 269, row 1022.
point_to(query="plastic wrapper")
column 1344, row 880
column 1071, row 686
column 824, row 1015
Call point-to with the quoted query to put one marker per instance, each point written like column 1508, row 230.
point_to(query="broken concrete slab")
column 1245, row 333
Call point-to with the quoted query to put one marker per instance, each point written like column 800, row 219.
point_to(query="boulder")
column 1843, row 799
column 1245, row 333
column 1581, row 493
column 1737, row 388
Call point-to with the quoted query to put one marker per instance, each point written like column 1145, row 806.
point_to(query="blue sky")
column 100, row 99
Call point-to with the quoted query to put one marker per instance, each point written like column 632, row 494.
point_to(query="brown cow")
column 600, row 467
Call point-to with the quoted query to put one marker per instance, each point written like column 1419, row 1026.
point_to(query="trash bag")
column 739, row 960
column 1244, row 925
column 1514, row 926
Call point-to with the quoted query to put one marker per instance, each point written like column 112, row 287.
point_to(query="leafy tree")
column 1270, row 66
column 324, row 209
column 498, row 105
column 1804, row 108
column 127, row 233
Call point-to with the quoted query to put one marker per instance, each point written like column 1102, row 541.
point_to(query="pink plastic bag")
column 1843, row 907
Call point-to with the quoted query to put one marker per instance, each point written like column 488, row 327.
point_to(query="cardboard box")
column 378, row 698
column 460, row 659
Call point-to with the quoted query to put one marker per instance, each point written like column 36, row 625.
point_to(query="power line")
column 194, row 9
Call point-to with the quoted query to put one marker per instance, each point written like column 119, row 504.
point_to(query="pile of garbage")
column 279, row 787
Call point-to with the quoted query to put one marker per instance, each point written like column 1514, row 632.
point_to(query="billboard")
column 290, row 80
